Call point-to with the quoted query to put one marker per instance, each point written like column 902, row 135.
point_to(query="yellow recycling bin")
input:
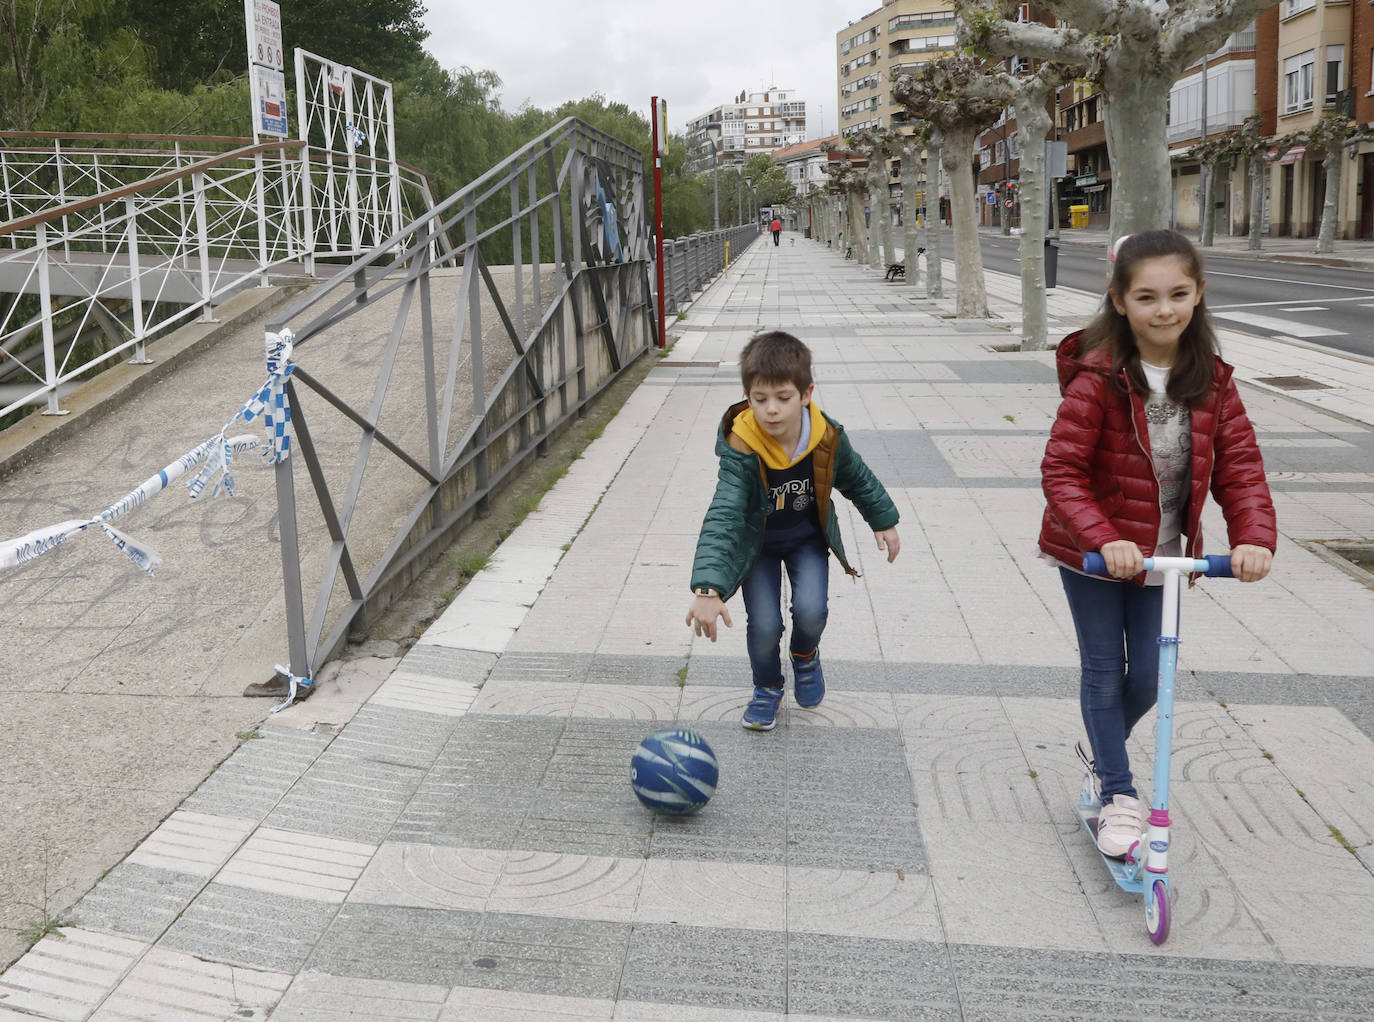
column 1078, row 216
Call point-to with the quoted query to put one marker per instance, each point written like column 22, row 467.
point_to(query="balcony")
column 1088, row 137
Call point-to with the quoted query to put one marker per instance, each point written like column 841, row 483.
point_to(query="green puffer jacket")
column 732, row 534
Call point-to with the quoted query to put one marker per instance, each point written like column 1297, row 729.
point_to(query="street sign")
column 1010, row 203
column 264, row 33
column 269, row 87
column 992, row 199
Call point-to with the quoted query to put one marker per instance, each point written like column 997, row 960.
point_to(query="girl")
column 1150, row 420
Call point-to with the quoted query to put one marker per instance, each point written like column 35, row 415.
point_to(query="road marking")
column 1306, row 308
column 1283, row 326
column 1289, row 280
column 1362, row 299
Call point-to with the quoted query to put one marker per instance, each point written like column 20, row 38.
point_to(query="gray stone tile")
column 244, row 927
column 542, row 955
column 621, row 669
column 457, row 664
column 251, row 781
column 1017, row 370
column 404, row 945
column 715, row 968
column 905, row 458
column 852, row 976
column 137, row 900
column 542, row 667
column 348, row 796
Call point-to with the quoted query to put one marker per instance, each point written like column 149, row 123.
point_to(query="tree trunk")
column 858, row 237
column 971, row 295
column 1209, row 206
column 1256, row 170
column 935, row 267
column 1033, row 124
column 877, row 185
column 910, row 248
column 1135, row 111
column 1331, row 207
column 885, row 207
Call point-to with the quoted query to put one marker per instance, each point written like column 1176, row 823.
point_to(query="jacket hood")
column 1069, row 361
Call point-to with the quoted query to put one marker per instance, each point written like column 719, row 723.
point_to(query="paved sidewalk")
column 467, row 847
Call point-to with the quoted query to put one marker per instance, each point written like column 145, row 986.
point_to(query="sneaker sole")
column 759, row 727
column 810, row 706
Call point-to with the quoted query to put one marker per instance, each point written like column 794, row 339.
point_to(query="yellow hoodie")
column 747, row 428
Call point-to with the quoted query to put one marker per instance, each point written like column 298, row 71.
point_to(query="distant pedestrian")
column 781, row 458
column 1150, row 421
column 776, row 228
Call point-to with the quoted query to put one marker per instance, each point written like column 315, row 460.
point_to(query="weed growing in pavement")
column 47, row 923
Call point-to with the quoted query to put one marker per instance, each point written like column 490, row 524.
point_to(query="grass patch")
column 247, row 736
column 1342, row 840
column 468, row 566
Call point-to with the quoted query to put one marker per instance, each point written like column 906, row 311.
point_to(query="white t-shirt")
column 1171, row 449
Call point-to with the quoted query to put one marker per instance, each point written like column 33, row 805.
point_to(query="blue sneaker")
column 808, row 681
column 762, row 712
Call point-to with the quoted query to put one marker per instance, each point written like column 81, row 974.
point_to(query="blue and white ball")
column 674, row 772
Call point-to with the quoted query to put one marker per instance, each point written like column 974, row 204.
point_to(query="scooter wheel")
column 1157, row 912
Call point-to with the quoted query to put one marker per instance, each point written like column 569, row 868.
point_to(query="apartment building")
column 751, row 124
column 899, row 36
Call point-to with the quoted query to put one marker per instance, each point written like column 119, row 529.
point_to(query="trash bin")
column 1051, row 263
column 1078, row 216
column 806, row 233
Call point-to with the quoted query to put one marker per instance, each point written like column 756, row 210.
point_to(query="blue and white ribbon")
column 297, row 683
column 217, row 454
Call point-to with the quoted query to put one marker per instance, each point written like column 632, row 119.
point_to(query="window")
column 1335, row 72
column 1297, row 82
column 1292, row 7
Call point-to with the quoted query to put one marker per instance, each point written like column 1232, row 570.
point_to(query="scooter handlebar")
column 1213, row 565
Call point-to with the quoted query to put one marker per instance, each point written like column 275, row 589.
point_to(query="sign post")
column 660, row 122
column 267, row 83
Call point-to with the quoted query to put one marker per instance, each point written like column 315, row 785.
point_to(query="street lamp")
column 712, row 134
column 753, row 206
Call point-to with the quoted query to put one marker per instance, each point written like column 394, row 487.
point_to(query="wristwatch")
column 706, row 592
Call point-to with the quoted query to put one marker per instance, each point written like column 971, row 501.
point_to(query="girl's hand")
column 887, row 540
column 1124, row 559
column 702, row 614
column 1250, row 563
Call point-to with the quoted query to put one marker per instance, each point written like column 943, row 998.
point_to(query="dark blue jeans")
column 808, row 571
column 1117, row 625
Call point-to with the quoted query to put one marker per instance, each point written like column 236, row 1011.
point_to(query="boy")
column 780, row 457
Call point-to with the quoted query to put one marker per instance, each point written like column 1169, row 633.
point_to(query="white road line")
column 1284, row 326
column 1363, row 299
column 1289, row 280
column 1306, row 308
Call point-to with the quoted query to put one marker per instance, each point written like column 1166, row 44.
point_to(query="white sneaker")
column 1119, row 826
column 1092, row 784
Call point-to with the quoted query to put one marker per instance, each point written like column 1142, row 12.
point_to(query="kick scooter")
column 1145, row 869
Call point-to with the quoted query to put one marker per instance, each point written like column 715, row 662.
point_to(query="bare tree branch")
column 1194, row 29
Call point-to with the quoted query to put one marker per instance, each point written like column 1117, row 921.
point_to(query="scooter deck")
column 1130, row 876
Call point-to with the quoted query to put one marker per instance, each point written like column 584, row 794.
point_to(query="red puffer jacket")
column 1099, row 478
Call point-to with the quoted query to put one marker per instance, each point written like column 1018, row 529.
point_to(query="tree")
column 1332, row 136
column 952, row 94
column 848, row 186
column 1134, row 51
column 1029, row 96
column 877, row 146
column 912, row 146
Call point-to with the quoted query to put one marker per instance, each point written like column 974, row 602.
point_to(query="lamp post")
column 712, row 134
column 753, row 211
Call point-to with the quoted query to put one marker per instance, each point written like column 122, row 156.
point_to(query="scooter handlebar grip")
column 1218, row 566
column 1094, row 564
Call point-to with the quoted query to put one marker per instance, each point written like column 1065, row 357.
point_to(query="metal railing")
column 479, row 366
column 689, row 264
column 115, row 241
column 107, row 272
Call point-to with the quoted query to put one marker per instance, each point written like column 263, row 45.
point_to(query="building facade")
column 901, row 35
column 751, row 124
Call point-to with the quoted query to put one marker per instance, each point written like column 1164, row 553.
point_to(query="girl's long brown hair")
column 1192, row 372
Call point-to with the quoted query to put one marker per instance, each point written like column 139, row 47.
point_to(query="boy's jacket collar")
column 746, row 427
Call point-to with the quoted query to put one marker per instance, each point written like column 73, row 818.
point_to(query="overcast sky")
column 695, row 54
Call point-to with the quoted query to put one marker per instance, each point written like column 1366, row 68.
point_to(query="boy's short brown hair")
column 775, row 357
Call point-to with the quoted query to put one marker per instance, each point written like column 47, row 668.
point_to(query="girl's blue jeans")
column 808, row 571
column 1118, row 628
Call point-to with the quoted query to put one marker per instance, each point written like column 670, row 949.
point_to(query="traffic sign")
column 1010, row 203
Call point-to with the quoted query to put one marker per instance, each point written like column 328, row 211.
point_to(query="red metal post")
column 658, row 226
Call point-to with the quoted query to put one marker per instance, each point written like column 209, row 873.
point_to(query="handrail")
column 147, row 184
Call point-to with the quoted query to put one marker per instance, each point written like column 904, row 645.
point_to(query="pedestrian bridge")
column 424, row 348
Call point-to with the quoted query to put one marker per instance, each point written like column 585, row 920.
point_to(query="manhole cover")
column 1292, row 383
column 707, row 365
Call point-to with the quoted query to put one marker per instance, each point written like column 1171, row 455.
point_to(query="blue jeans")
column 1117, row 625
column 808, row 570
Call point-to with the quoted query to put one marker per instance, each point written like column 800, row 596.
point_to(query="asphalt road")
column 1328, row 306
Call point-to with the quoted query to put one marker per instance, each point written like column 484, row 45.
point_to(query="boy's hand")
column 1250, row 563
column 887, row 540
column 702, row 614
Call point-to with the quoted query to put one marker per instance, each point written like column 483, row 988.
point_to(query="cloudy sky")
column 695, row 54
